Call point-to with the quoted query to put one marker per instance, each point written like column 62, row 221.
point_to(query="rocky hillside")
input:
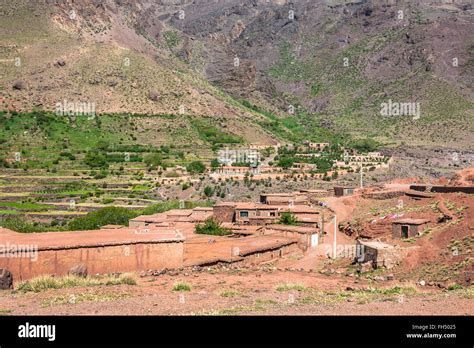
column 303, row 67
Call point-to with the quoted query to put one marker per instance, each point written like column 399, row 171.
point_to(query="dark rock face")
column 6, row 279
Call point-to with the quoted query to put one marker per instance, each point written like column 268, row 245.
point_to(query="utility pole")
column 322, row 228
column 334, row 246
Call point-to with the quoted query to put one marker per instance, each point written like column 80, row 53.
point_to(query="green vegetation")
column 172, row 39
column 181, row 286
column 196, row 167
column 101, row 217
column 291, row 286
column 19, row 224
column 288, row 219
column 213, row 227
column 44, row 283
column 211, row 134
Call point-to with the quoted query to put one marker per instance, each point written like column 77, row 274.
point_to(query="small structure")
column 234, row 170
column 406, row 228
column 316, row 146
column 304, row 167
column 380, row 254
column 340, row 191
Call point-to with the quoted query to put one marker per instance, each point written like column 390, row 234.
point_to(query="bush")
column 196, row 167
column 95, row 159
column 208, row 191
column 213, row 227
column 181, row 287
column 153, row 159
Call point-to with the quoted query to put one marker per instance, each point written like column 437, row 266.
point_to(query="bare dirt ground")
column 243, row 291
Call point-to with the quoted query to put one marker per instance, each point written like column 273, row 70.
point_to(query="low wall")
column 444, row 189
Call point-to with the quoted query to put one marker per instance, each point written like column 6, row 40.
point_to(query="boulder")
column 78, row 270
column 6, row 279
column 19, row 85
column 153, row 95
column 60, row 62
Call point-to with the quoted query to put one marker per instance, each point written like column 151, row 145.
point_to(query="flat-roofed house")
column 340, row 191
column 407, row 228
column 245, row 212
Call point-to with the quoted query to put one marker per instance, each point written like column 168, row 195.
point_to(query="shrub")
column 213, row 227
column 208, row 191
column 288, row 219
column 95, row 159
column 196, row 167
column 181, row 287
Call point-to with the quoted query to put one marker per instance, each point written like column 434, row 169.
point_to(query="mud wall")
column 98, row 259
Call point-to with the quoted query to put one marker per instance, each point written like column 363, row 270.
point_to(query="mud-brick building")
column 380, row 254
column 340, row 191
column 27, row 255
column 407, row 228
column 245, row 212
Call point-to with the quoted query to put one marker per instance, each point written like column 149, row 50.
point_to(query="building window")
column 244, row 214
column 272, row 213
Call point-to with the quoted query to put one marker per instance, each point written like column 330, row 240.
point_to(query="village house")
column 407, row 228
column 377, row 253
column 295, row 198
column 245, row 213
column 340, row 191
column 303, row 167
column 231, row 170
column 316, row 146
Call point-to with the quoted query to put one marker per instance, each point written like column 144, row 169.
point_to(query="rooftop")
column 409, row 221
column 77, row 239
column 375, row 244
column 292, row 228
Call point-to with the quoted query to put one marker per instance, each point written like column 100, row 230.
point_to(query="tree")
column 286, row 162
column 288, row 219
column 95, row 159
column 153, row 160
column 213, row 227
column 215, row 163
column 208, row 191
